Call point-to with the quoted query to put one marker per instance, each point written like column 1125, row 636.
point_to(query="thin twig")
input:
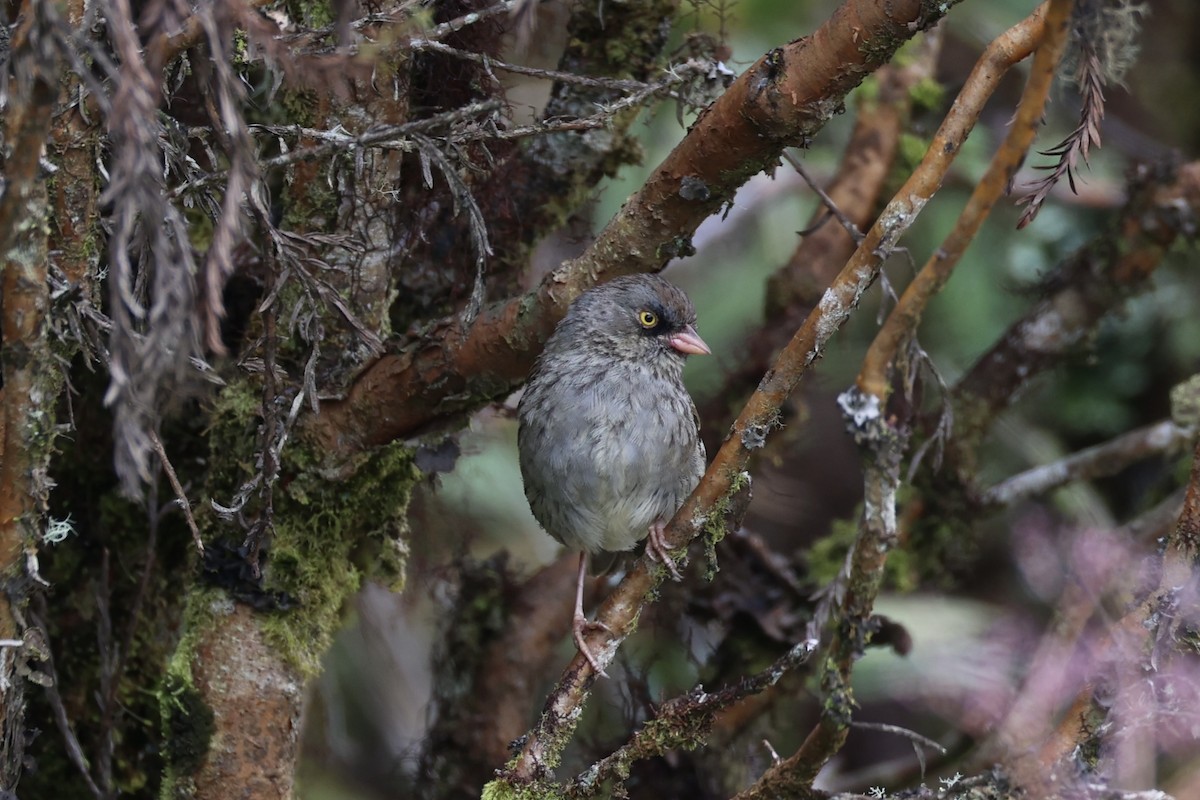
column 61, row 720
column 1099, row 461
column 333, row 141
column 264, row 527
column 847, row 223
column 455, row 25
column 896, row 730
column 571, row 78
column 177, row 487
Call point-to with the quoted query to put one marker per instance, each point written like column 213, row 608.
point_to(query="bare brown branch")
column 255, row 702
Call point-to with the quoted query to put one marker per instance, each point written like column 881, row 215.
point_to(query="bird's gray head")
column 638, row 317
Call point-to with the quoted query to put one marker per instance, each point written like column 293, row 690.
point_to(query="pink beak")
column 688, row 342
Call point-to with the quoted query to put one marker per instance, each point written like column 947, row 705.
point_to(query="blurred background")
column 371, row 714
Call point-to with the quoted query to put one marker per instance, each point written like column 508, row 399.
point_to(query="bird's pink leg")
column 581, row 624
column 656, row 547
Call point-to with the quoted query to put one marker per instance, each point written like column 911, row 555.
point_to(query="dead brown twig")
column 1079, row 142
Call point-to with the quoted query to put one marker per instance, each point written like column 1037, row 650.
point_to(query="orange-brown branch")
column 902, row 323
column 795, row 774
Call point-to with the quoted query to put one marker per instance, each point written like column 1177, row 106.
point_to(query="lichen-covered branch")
column 849, row 627
column 1099, row 461
column 781, row 100
column 31, row 376
column 683, row 721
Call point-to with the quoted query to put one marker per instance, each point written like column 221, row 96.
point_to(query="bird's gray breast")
column 605, row 453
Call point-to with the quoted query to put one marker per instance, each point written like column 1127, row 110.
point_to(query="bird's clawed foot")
column 581, row 625
column 656, row 548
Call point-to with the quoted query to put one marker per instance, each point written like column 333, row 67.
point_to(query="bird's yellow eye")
column 648, row 319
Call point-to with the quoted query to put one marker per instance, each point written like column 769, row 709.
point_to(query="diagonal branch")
column 901, row 324
column 855, row 191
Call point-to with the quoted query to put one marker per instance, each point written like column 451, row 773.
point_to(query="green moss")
column 299, row 106
column 199, row 228
column 313, row 13
column 828, row 554
column 912, row 151
column 312, row 210
column 714, row 524
column 1185, row 402
column 500, row 789
column 331, row 531
column 187, row 724
column 241, row 45
column 186, row 720
column 838, row 704
column 329, row 535
column 868, row 91
column 927, row 94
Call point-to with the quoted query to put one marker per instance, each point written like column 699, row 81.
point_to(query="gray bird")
column 609, row 438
